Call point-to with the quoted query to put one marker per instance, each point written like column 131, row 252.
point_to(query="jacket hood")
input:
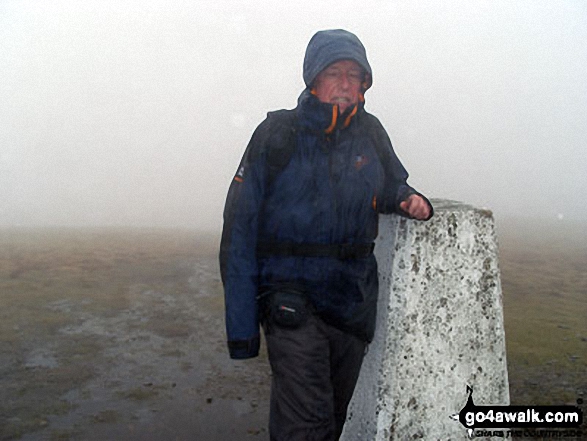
column 327, row 47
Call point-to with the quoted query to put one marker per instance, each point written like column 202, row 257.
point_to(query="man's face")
column 340, row 83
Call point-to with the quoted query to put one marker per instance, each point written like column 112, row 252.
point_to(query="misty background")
column 136, row 113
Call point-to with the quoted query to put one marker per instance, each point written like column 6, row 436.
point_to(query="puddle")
column 41, row 358
column 160, row 371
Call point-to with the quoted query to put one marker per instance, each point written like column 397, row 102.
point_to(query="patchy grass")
column 544, row 281
column 140, row 394
column 60, row 291
column 107, row 416
column 146, row 306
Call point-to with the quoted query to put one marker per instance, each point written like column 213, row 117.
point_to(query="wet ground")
column 119, row 335
column 139, row 356
column 171, row 382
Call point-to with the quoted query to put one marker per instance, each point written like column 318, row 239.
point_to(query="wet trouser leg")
column 315, row 368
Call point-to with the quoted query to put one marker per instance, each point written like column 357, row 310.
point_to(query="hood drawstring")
column 347, row 121
column 332, row 125
column 334, row 118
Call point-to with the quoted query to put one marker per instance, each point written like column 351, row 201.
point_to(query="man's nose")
column 344, row 81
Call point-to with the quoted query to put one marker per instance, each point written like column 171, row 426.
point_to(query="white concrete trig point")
column 440, row 328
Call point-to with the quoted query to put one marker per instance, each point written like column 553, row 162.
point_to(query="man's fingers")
column 416, row 207
column 419, row 209
column 421, row 212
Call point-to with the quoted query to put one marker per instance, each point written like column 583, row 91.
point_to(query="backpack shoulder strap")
column 281, row 142
column 380, row 138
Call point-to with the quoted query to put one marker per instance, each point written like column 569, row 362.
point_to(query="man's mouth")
column 340, row 100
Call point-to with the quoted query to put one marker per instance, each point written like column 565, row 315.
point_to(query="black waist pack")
column 285, row 306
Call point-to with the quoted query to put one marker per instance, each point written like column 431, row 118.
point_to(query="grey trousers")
column 314, row 372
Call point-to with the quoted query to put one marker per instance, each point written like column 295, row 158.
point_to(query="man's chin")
column 342, row 107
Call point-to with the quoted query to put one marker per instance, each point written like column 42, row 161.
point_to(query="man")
column 296, row 254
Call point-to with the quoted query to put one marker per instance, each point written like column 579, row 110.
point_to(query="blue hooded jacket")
column 341, row 174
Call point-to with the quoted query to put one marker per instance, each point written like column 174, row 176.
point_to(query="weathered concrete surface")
column 440, row 328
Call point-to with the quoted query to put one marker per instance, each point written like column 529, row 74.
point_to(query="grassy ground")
column 118, row 334
column 109, row 334
column 544, row 283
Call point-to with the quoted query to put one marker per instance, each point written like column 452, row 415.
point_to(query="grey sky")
column 137, row 112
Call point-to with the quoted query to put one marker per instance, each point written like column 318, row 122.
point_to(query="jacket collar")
column 317, row 116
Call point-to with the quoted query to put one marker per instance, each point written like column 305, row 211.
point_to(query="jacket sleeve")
column 238, row 262
column 396, row 188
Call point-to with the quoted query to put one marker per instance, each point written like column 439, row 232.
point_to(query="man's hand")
column 416, row 207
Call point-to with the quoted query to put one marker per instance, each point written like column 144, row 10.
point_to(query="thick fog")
column 137, row 112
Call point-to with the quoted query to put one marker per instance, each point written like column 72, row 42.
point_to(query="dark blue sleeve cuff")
column 242, row 349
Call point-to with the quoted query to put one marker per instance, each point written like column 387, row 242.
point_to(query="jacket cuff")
column 242, row 349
